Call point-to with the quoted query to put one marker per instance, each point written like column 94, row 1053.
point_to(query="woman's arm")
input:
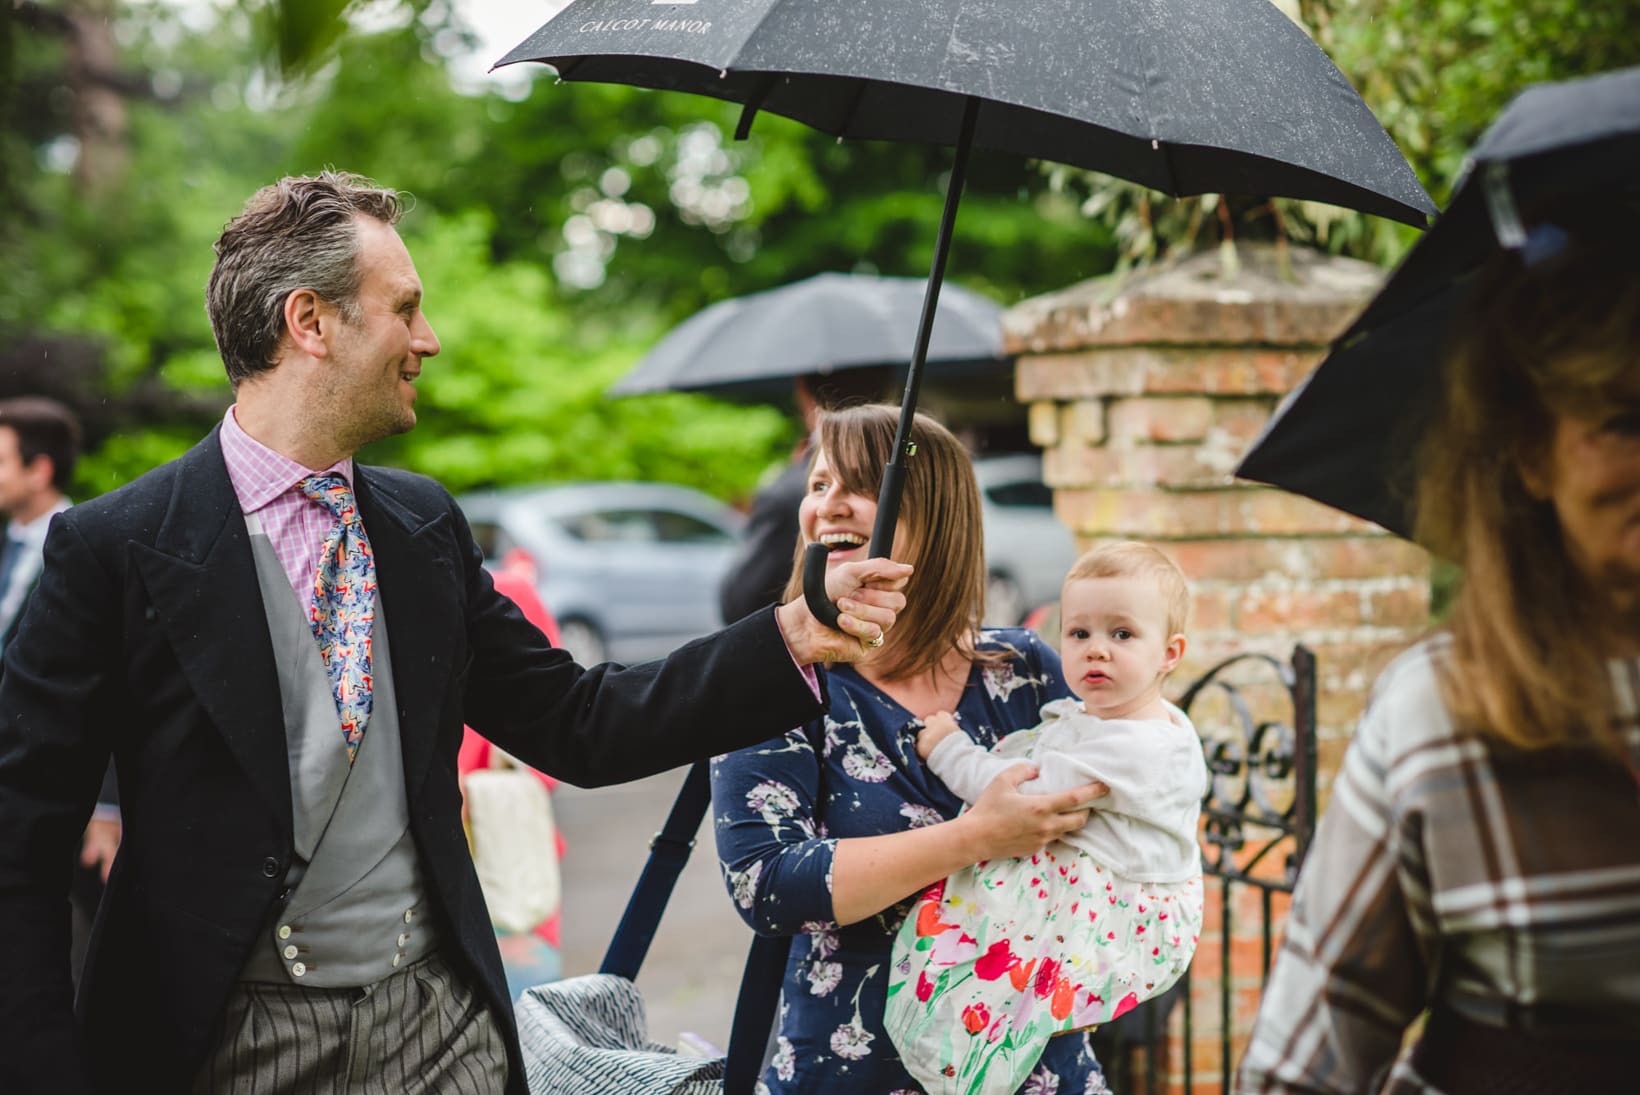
column 765, row 819
column 1350, row 976
column 871, row 873
column 784, row 875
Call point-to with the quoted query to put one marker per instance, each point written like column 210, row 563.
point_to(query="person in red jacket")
column 530, row 957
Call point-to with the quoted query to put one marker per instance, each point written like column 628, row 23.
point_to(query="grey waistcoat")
column 354, row 907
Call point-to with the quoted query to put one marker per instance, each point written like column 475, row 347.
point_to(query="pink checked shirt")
column 265, row 483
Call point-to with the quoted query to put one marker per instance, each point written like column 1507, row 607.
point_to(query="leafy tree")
column 559, row 230
column 562, row 228
column 1435, row 72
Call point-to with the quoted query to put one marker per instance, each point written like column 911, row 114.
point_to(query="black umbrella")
column 1185, row 96
column 751, row 347
column 1347, row 437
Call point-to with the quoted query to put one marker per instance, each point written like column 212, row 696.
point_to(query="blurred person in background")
column 529, row 957
column 1480, row 859
column 39, row 445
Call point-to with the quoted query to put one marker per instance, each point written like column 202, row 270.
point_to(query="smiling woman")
column 827, row 833
column 940, row 530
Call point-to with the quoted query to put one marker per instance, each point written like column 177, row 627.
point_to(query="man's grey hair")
column 298, row 233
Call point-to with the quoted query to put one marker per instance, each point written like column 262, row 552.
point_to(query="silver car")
column 1027, row 549
column 629, row 570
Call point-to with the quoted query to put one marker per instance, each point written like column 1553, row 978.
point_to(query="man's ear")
column 40, row 472
column 307, row 318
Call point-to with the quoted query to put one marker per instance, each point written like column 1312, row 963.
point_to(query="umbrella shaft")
column 888, row 506
column 888, row 498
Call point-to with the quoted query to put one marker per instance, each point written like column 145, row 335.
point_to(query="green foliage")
column 1435, row 72
column 562, row 228
column 559, row 229
column 516, row 393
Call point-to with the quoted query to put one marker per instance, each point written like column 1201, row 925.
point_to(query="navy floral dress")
column 779, row 811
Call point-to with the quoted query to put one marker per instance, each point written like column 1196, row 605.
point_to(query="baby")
column 1001, row 956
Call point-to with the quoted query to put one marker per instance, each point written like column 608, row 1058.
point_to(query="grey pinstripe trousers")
column 419, row 1032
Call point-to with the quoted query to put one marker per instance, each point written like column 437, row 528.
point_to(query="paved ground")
column 692, row 974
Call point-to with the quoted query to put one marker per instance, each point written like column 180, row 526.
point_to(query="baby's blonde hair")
column 1131, row 559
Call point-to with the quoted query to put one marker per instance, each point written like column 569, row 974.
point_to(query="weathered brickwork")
column 1143, row 397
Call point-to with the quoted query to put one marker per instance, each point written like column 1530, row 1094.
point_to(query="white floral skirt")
column 998, row 958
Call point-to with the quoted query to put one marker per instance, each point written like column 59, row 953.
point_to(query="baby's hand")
column 936, row 728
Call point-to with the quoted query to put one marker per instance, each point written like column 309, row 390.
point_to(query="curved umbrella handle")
column 882, row 535
column 814, row 585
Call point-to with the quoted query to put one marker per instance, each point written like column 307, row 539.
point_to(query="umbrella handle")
column 814, row 585
column 882, row 538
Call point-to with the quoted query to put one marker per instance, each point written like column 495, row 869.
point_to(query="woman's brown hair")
column 1547, row 335
column 941, row 532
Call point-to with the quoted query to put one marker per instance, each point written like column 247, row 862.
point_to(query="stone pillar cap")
column 1308, row 301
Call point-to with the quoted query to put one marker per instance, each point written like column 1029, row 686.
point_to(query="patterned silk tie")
column 344, row 605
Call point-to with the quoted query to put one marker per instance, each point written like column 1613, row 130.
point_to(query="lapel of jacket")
column 415, row 579
column 201, row 580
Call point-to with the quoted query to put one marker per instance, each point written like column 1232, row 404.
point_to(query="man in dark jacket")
column 279, row 649
column 39, row 446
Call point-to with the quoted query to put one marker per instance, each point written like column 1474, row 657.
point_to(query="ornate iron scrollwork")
column 1256, row 717
column 1261, row 764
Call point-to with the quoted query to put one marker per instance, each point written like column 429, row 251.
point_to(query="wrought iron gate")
column 1257, row 718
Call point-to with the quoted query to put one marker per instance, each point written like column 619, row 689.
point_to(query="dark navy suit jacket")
column 146, row 640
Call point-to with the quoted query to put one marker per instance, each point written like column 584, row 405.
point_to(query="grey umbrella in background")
column 751, row 347
column 1186, row 96
column 1348, row 437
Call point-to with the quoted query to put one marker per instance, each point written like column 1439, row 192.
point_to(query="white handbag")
column 515, row 843
column 588, row 1035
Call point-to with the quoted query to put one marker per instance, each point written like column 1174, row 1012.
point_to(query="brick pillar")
column 1143, row 395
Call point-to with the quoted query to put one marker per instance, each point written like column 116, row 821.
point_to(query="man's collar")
column 26, row 530
column 260, row 474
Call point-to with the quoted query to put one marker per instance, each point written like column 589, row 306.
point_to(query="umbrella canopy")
column 750, row 347
column 1184, row 96
column 1187, row 96
column 1348, row 436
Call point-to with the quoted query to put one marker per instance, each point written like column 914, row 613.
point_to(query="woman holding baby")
column 830, row 833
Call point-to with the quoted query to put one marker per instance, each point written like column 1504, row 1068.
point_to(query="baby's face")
column 1116, row 647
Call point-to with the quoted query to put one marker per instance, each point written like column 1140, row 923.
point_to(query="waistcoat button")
column 290, row 951
column 298, row 969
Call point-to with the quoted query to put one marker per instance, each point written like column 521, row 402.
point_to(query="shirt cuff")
column 809, row 676
column 105, row 811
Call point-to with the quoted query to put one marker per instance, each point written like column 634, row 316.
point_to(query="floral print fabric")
column 344, row 605
column 778, row 810
column 997, row 959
